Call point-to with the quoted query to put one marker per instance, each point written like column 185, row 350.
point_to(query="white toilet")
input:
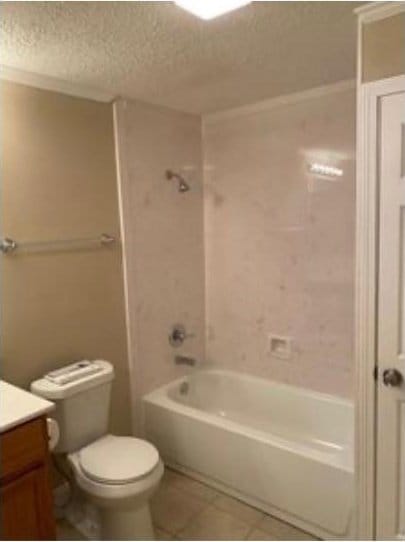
column 118, row 474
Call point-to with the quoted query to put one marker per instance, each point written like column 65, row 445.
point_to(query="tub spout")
column 185, row 360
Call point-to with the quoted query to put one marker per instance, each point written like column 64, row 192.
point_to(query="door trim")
column 368, row 95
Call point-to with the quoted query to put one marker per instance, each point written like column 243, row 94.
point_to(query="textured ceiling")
column 156, row 52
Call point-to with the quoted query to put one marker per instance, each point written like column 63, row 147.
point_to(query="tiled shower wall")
column 278, row 245
column 163, row 236
column 279, row 242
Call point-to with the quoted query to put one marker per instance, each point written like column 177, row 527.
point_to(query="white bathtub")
column 286, row 450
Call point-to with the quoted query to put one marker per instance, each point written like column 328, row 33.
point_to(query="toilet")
column 117, row 474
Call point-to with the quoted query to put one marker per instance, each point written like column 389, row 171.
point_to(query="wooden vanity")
column 26, row 504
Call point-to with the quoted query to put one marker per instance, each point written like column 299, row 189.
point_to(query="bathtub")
column 285, row 450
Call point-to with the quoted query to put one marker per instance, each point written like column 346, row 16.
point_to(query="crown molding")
column 55, row 85
column 375, row 11
column 280, row 101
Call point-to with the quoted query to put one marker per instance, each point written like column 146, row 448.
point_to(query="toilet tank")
column 81, row 393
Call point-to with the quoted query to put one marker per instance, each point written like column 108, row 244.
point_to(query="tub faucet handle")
column 178, row 335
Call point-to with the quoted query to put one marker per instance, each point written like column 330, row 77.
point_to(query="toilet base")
column 124, row 512
column 126, row 524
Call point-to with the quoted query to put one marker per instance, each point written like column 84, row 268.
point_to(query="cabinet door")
column 26, row 510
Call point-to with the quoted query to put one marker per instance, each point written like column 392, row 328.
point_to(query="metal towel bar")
column 9, row 246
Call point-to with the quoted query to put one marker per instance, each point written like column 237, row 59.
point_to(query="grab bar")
column 9, row 246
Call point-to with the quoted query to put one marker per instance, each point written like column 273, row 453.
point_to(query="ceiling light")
column 325, row 171
column 210, row 9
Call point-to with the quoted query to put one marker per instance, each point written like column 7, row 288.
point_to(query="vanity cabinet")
column 26, row 502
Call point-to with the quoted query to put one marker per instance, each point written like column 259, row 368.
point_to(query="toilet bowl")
column 119, row 475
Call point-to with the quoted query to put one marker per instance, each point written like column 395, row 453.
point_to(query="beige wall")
column 164, row 243
column 383, row 48
column 280, row 242
column 58, row 180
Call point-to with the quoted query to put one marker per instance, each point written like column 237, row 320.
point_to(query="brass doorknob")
column 392, row 378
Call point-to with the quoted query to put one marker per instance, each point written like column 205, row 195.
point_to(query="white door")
column 390, row 490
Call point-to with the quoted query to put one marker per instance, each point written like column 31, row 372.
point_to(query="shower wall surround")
column 274, row 253
column 163, row 232
column 279, row 242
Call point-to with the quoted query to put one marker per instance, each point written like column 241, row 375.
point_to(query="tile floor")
column 184, row 509
column 65, row 531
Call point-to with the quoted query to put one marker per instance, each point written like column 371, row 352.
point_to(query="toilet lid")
column 118, row 460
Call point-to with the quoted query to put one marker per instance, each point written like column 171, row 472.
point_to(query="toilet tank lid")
column 60, row 387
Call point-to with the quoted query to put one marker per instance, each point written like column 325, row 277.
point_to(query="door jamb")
column 368, row 96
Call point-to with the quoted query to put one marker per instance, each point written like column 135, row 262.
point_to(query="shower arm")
column 183, row 185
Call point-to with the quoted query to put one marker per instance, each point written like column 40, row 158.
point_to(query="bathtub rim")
column 343, row 401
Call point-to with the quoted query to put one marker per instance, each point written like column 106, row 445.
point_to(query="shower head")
column 183, row 186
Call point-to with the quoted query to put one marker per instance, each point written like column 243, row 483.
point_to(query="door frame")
column 367, row 235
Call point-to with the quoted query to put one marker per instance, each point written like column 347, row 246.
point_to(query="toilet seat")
column 116, row 460
column 110, row 493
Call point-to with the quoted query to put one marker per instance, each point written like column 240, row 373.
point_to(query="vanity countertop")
column 18, row 406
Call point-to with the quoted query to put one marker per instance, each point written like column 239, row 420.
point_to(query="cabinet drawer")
column 22, row 448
